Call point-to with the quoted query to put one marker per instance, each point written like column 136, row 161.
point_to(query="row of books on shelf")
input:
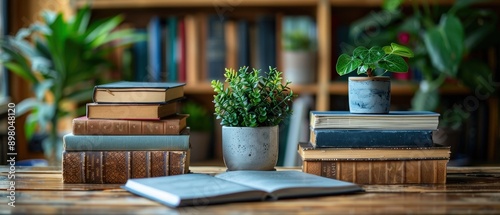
column 126, row 133
column 394, row 148
column 198, row 47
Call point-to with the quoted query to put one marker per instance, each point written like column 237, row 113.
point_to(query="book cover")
column 380, row 172
column 140, row 53
column 170, row 125
column 131, row 111
column 266, row 33
column 181, row 76
column 173, row 49
column 235, row 186
column 394, row 120
column 138, row 92
column 353, row 138
column 73, row 142
column 116, row 167
column 193, row 45
column 243, row 34
column 154, row 49
column 307, row 151
column 215, row 48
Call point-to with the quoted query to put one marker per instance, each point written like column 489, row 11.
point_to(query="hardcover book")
column 394, row 120
column 116, row 167
column 359, row 138
column 126, row 142
column 308, row 152
column 235, row 186
column 138, row 92
column 170, row 125
column 414, row 171
column 131, row 111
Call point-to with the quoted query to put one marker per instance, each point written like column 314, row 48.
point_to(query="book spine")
column 124, row 127
column 126, row 143
column 339, row 138
column 116, row 167
column 380, row 172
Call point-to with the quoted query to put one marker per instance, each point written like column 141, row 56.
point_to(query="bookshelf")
column 139, row 12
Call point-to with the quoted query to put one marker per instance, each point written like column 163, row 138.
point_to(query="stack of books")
column 131, row 130
column 394, row 148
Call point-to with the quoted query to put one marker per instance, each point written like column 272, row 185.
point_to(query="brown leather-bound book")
column 381, row 171
column 171, row 125
column 116, row 167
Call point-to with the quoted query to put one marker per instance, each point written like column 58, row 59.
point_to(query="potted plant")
column 63, row 60
column 250, row 108
column 372, row 94
column 299, row 58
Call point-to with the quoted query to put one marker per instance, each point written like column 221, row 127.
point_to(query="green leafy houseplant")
column 251, row 108
column 366, row 61
column 63, row 60
column 297, row 40
column 250, row 100
column 443, row 38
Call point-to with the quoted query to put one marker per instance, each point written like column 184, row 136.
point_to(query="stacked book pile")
column 394, row 148
column 132, row 130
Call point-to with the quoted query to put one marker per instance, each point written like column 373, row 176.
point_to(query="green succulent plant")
column 62, row 59
column 250, row 100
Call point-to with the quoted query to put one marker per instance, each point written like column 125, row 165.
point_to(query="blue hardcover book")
column 140, row 50
column 339, row 138
column 394, row 120
column 266, row 33
column 154, row 50
column 172, row 49
column 216, row 48
column 126, row 142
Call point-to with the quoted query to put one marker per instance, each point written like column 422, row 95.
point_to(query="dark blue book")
column 216, row 48
column 140, row 53
column 339, row 138
column 266, row 37
column 172, row 49
column 154, row 50
column 243, row 43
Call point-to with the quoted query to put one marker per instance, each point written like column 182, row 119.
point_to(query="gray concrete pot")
column 300, row 66
column 369, row 94
column 246, row 148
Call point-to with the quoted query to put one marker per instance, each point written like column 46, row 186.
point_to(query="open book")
column 201, row 189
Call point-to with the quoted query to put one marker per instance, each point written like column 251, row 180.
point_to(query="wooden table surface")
column 469, row 190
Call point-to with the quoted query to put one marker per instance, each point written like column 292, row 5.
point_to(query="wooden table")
column 39, row 190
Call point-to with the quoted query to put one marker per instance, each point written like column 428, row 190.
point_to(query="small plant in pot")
column 372, row 94
column 250, row 108
column 299, row 57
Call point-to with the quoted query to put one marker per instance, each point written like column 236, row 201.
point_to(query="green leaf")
column 26, row 105
column 393, row 63
column 391, row 5
column 374, row 54
column 397, row 49
column 347, row 64
column 425, row 100
column 360, row 52
column 445, row 44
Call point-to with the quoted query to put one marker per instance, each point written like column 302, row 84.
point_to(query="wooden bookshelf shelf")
column 110, row 4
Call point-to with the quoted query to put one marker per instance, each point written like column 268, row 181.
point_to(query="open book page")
column 192, row 189
column 285, row 184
